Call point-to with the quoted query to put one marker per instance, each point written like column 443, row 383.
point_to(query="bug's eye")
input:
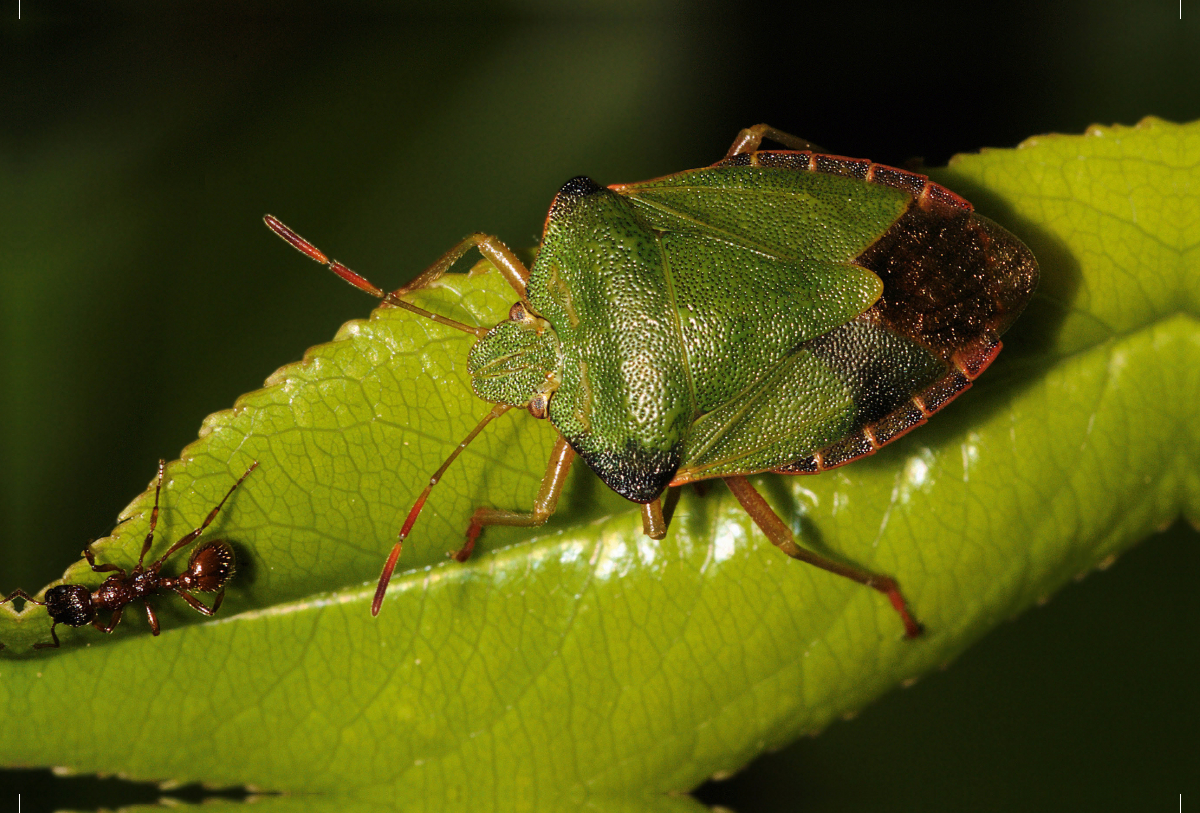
column 539, row 407
column 517, row 313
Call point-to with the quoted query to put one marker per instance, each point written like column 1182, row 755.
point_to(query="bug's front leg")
column 781, row 536
column 544, row 506
column 750, row 139
column 490, row 247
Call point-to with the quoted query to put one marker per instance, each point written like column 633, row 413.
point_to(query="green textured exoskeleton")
column 781, row 311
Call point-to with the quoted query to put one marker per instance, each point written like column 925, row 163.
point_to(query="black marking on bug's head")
column 579, row 187
column 636, row 473
column 70, row 604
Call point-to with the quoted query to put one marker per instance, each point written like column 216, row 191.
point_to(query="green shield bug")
column 779, row 311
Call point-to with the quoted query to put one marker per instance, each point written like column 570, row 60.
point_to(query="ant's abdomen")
column 211, row 565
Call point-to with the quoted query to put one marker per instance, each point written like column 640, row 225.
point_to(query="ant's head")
column 212, row 564
column 70, row 604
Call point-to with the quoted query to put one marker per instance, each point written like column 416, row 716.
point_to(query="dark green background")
column 140, row 292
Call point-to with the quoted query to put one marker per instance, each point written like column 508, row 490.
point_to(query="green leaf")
column 582, row 663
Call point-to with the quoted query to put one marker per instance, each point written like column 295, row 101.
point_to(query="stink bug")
column 778, row 311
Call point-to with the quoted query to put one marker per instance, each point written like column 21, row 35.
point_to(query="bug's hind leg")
column 544, row 506
column 781, row 536
column 751, row 139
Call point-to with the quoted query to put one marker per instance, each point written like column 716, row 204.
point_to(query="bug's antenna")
column 360, row 282
column 390, row 565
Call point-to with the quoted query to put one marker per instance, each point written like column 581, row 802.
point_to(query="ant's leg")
column 547, row 501
column 54, row 636
column 781, row 536
column 102, row 568
column 153, row 619
column 153, row 515
column 112, row 622
column 750, row 139
column 87, row 552
column 207, row 521
column 199, row 606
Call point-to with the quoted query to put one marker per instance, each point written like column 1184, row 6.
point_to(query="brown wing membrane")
column 953, row 281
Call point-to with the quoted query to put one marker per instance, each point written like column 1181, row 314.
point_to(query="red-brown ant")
column 209, row 568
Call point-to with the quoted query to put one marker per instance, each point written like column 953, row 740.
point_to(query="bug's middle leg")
column 152, row 617
column 544, row 506
column 781, row 536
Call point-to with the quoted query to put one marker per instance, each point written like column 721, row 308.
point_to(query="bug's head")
column 516, row 363
column 211, row 565
column 70, row 604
